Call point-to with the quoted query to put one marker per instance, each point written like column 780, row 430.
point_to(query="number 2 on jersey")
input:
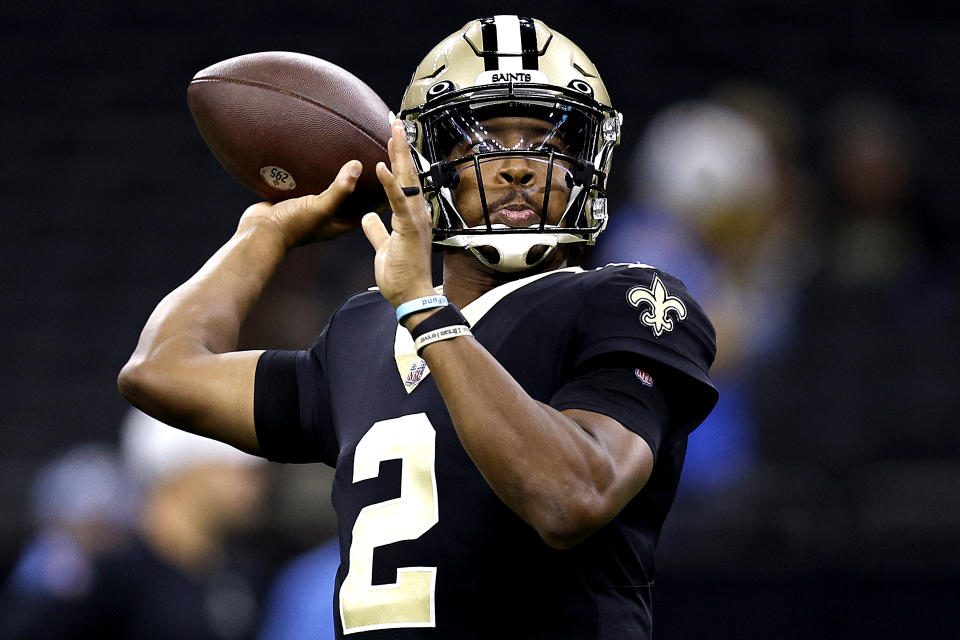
column 409, row 602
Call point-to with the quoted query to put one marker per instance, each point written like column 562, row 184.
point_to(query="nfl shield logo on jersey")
column 415, row 375
column 644, row 377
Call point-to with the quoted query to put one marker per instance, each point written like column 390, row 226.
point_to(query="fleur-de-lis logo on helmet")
column 661, row 304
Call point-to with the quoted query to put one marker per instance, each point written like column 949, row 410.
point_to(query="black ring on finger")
column 410, row 191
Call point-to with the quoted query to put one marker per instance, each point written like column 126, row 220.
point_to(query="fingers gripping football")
column 402, row 263
column 309, row 218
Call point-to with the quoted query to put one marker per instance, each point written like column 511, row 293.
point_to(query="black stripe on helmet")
column 488, row 33
column 528, row 43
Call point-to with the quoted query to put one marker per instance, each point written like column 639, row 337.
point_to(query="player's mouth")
column 515, row 214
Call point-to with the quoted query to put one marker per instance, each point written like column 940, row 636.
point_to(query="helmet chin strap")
column 508, row 252
column 511, row 252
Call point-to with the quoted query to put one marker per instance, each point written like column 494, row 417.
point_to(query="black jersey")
column 428, row 550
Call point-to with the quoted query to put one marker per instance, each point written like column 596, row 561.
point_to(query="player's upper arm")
column 630, row 456
column 625, row 420
column 210, row 394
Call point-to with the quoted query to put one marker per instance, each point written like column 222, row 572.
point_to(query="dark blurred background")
column 823, row 497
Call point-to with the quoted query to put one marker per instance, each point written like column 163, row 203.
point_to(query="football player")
column 507, row 445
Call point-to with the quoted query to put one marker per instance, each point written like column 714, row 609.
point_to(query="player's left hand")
column 402, row 263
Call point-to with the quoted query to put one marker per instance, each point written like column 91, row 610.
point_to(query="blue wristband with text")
column 420, row 304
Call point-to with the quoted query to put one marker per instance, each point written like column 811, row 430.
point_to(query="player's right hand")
column 402, row 262
column 310, row 218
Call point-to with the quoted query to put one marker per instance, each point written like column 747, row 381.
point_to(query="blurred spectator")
column 178, row 578
column 879, row 339
column 867, row 398
column 82, row 505
column 300, row 602
column 721, row 203
column 873, row 230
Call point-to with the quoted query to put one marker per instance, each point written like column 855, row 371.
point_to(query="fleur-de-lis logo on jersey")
column 661, row 304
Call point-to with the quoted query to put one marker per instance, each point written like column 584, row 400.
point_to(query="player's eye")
column 546, row 146
column 483, row 146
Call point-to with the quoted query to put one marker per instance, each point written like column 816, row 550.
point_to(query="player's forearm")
column 543, row 465
column 204, row 314
column 185, row 370
column 170, row 374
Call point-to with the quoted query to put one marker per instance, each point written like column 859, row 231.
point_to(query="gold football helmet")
column 511, row 67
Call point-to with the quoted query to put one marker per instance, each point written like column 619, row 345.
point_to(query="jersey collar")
column 413, row 369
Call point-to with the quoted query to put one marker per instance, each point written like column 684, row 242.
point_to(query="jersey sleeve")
column 645, row 312
column 291, row 406
column 615, row 389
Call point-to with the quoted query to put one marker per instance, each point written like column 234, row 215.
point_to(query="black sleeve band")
column 276, row 402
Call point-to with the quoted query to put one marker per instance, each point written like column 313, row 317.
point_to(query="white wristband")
column 443, row 333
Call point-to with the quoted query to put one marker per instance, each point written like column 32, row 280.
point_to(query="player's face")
column 514, row 186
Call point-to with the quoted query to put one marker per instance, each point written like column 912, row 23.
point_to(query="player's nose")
column 517, row 171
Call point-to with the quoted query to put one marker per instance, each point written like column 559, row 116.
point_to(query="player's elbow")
column 129, row 380
column 562, row 541
column 146, row 381
column 136, row 379
column 154, row 376
column 566, row 525
column 149, row 385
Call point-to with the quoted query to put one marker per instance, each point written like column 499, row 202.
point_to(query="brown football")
column 284, row 123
